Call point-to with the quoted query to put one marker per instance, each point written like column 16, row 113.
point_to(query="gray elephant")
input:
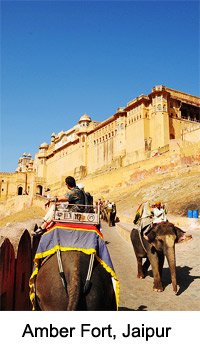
column 160, row 242
column 51, row 295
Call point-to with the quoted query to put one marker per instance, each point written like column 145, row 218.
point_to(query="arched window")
column 39, row 190
column 20, row 190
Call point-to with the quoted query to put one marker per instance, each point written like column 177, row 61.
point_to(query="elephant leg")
column 145, row 266
column 154, row 260
column 140, row 273
column 161, row 259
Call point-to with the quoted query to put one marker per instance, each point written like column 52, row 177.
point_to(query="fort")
column 159, row 124
column 149, row 150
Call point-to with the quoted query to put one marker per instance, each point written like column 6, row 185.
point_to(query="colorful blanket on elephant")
column 68, row 236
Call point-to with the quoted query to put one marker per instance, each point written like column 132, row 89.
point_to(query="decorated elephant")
column 51, row 294
column 160, row 242
column 73, row 270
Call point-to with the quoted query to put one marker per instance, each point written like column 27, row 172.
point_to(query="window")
column 20, row 190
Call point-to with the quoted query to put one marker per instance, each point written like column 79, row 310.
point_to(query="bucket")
column 190, row 214
column 195, row 213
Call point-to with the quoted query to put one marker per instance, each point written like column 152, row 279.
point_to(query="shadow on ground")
column 184, row 278
column 140, row 308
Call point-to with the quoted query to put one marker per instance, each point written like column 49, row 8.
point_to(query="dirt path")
column 136, row 294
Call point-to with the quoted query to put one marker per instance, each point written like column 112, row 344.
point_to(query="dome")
column 85, row 117
column 43, row 146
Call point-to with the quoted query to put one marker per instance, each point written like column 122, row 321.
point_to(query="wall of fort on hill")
column 179, row 156
column 161, row 129
column 109, row 182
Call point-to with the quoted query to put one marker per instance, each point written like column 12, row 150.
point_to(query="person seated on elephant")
column 159, row 213
column 109, row 206
column 74, row 197
column 143, row 217
column 88, row 199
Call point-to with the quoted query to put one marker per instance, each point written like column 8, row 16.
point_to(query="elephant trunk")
column 170, row 255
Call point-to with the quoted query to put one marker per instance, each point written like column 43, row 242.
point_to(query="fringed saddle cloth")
column 86, row 238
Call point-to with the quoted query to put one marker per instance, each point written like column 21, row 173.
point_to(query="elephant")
column 110, row 215
column 52, row 296
column 159, row 242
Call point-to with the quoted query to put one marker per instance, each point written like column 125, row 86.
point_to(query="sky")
column 62, row 59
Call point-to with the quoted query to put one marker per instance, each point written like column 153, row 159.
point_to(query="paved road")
column 138, row 294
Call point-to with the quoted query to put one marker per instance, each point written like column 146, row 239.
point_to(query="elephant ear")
column 151, row 236
column 179, row 234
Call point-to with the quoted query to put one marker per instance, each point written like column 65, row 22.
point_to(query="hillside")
column 179, row 192
column 178, row 189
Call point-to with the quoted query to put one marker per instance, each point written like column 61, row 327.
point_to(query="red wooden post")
column 7, row 271
column 22, row 273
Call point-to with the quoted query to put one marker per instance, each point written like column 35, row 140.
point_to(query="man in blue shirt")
column 74, row 197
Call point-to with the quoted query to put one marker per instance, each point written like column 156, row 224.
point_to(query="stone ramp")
column 189, row 225
column 124, row 229
column 138, row 294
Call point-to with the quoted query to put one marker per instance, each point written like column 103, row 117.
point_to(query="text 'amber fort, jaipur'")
column 149, row 126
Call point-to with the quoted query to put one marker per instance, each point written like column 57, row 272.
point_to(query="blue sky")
column 61, row 59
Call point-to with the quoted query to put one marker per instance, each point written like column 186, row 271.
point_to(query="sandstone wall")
column 107, row 183
column 14, row 204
